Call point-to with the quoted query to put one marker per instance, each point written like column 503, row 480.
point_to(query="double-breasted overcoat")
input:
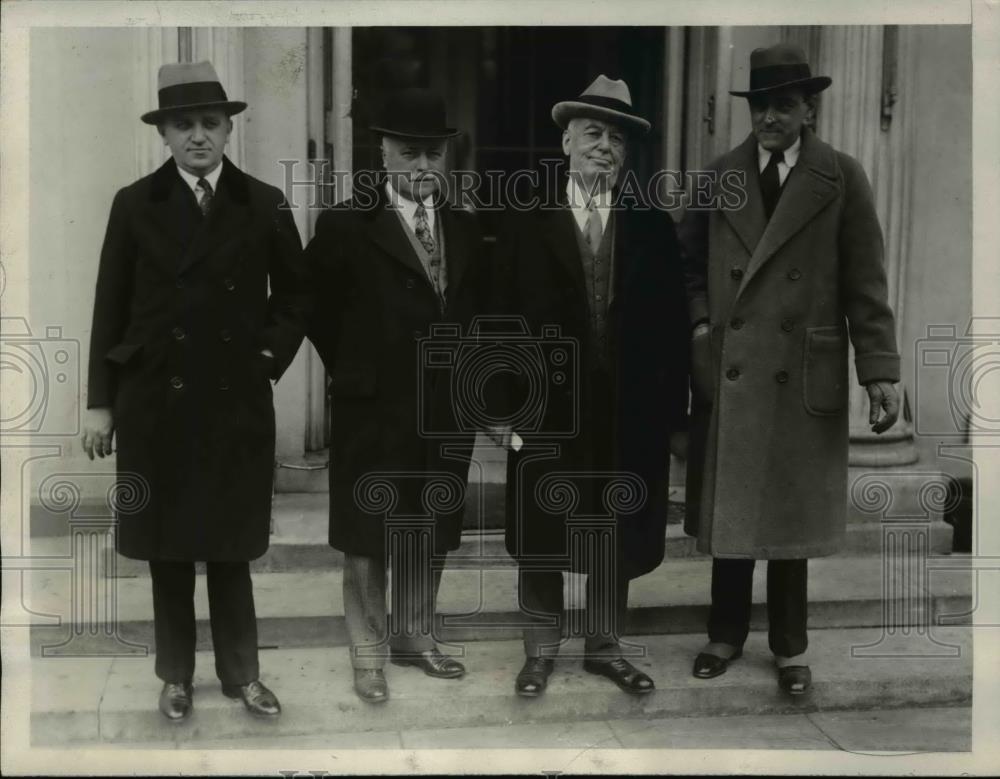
column 182, row 313
column 596, row 448
column 767, row 471
column 396, row 449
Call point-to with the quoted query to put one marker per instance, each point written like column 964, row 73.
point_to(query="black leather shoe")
column 175, row 701
column 534, row 676
column 431, row 662
column 370, row 685
column 621, row 672
column 707, row 666
column 255, row 696
column 795, row 679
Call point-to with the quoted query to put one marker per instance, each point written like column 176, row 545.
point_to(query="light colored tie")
column 206, row 196
column 592, row 229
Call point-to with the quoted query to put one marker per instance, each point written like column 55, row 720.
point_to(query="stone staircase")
column 883, row 635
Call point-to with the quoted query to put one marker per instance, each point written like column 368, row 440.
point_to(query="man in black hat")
column 600, row 287
column 186, row 341
column 388, row 266
column 777, row 288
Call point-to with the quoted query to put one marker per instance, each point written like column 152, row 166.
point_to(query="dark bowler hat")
column 781, row 66
column 412, row 113
column 604, row 99
column 186, row 86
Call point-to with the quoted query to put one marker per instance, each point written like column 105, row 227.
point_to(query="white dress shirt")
column 408, row 208
column 192, row 181
column 577, row 199
column 784, row 168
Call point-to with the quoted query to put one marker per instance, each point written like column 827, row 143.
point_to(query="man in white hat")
column 600, row 287
column 186, row 341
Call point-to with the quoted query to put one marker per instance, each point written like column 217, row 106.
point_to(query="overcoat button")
column 179, row 283
column 736, row 273
column 229, row 284
column 781, row 377
column 226, row 336
column 223, row 384
column 409, row 283
column 177, row 382
column 787, row 325
column 795, row 274
column 416, row 334
column 178, row 334
column 736, row 323
column 733, row 374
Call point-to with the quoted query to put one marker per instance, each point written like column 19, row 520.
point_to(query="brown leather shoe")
column 431, row 662
column 370, row 685
column 259, row 700
column 175, row 700
column 533, row 676
column 619, row 670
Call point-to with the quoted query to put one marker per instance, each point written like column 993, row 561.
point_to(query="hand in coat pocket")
column 702, row 372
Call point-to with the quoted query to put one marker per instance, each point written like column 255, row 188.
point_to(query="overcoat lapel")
column 748, row 222
column 457, row 249
column 227, row 220
column 386, row 231
column 558, row 231
column 809, row 188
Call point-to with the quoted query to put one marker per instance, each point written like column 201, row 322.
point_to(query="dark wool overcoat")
column 397, row 449
column 181, row 314
column 767, row 470
column 598, row 448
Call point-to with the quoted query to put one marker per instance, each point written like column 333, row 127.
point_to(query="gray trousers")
column 371, row 631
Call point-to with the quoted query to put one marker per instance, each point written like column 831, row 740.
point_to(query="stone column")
column 850, row 118
column 152, row 47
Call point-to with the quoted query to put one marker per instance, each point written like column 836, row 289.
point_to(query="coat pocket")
column 123, row 353
column 824, row 370
column 353, row 381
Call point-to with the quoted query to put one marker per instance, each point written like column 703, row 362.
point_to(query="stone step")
column 106, row 701
column 300, row 523
column 305, row 608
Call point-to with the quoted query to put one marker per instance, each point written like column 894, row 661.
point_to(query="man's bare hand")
column 500, row 435
column 883, row 399
column 98, row 428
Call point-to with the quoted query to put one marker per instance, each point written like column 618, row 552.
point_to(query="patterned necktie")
column 770, row 182
column 592, row 229
column 422, row 229
column 206, row 196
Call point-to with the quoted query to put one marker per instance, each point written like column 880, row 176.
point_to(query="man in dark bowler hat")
column 387, row 267
column 777, row 288
column 185, row 344
column 588, row 490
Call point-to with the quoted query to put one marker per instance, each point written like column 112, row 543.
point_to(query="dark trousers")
column 415, row 585
column 232, row 615
column 787, row 607
column 540, row 594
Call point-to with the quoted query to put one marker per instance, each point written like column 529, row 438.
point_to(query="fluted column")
column 850, row 119
column 152, row 47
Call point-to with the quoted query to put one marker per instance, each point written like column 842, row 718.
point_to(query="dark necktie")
column 592, row 229
column 206, row 196
column 770, row 182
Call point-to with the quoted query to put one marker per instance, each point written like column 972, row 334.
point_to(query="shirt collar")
column 577, row 198
column 192, row 181
column 791, row 154
column 408, row 207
